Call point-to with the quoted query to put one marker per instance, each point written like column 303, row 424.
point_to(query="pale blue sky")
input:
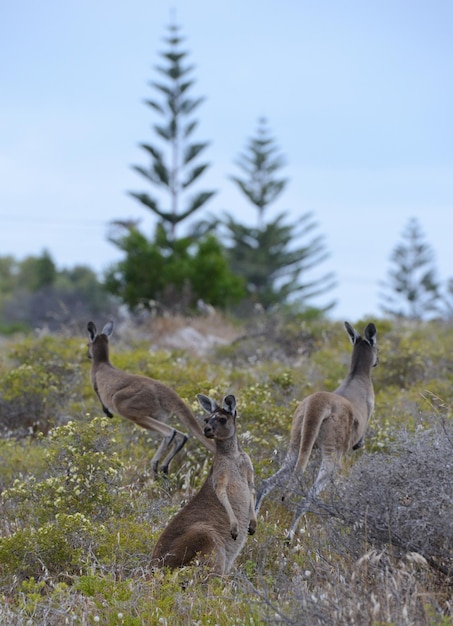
column 358, row 96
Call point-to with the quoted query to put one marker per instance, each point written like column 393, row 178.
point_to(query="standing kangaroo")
column 335, row 421
column 214, row 524
column 144, row 401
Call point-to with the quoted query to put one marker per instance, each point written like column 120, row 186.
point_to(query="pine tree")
column 412, row 290
column 175, row 169
column 260, row 162
column 175, row 271
column 446, row 307
column 273, row 268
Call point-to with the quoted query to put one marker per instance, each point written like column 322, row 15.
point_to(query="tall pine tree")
column 412, row 290
column 176, row 168
column 274, row 268
column 175, row 271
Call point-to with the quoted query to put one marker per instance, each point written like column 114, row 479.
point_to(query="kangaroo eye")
column 223, row 420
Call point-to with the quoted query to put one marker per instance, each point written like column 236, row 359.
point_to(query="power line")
column 33, row 219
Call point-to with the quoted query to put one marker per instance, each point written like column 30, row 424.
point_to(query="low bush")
column 402, row 499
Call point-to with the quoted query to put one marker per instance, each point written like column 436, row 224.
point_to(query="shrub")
column 36, row 393
column 403, row 498
column 83, row 476
column 55, row 522
column 62, row 547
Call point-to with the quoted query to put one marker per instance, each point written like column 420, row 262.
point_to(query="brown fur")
column 145, row 401
column 334, row 421
column 214, row 524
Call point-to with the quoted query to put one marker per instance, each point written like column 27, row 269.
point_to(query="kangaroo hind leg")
column 177, row 443
column 195, row 542
column 327, row 470
column 276, row 480
column 163, row 447
column 171, row 439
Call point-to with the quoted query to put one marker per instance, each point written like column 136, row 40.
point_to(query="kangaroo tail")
column 314, row 417
column 313, row 413
column 189, row 420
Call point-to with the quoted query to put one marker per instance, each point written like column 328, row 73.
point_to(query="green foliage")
column 107, row 587
column 62, row 512
column 83, row 476
column 83, row 459
column 258, row 406
column 18, row 458
column 446, row 303
column 211, row 278
column 176, row 171
column 8, row 272
column 32, row 592
column 402, row 365
column 34, row 293
column 126, row 544
column 37, row 273
column 274, row 271
column 59, row 354
column 176, row 273
column 381, row 435
column 169, row 367
column 260, row 163
column 62, row 546
column 281, row 336
column 45, row 364
column 412, row 290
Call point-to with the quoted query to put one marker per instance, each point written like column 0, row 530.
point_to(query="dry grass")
column 198, row 336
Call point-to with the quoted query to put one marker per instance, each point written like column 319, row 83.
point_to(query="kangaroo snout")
column 209, row 432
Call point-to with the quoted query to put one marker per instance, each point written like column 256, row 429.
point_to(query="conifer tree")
column 412, row 290
column 446, row 308
column 175, row 168
column 175, row 271
column 274, row 268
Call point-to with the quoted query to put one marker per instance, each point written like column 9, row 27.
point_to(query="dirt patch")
column 198, row 335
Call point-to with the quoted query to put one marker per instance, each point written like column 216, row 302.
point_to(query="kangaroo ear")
column 353, row 334
column 91, row 330
column 108, row 329
column 229, row 404
column 370, row 334
column 206, row 403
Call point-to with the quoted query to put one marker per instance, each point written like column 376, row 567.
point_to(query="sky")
column 357, row 95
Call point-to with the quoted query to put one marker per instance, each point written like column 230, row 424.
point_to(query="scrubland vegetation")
column 80, row 511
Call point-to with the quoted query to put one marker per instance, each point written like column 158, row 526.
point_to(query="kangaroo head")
column 221, row 423
column 368, row 340
column 100, row 341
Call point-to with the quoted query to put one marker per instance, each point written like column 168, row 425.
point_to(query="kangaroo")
column 214, row 523
column 144, row 401
column 335, row 421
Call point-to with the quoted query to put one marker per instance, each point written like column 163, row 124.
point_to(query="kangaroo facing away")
column 334, row 421
column 143, row 400
column 214, row 523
